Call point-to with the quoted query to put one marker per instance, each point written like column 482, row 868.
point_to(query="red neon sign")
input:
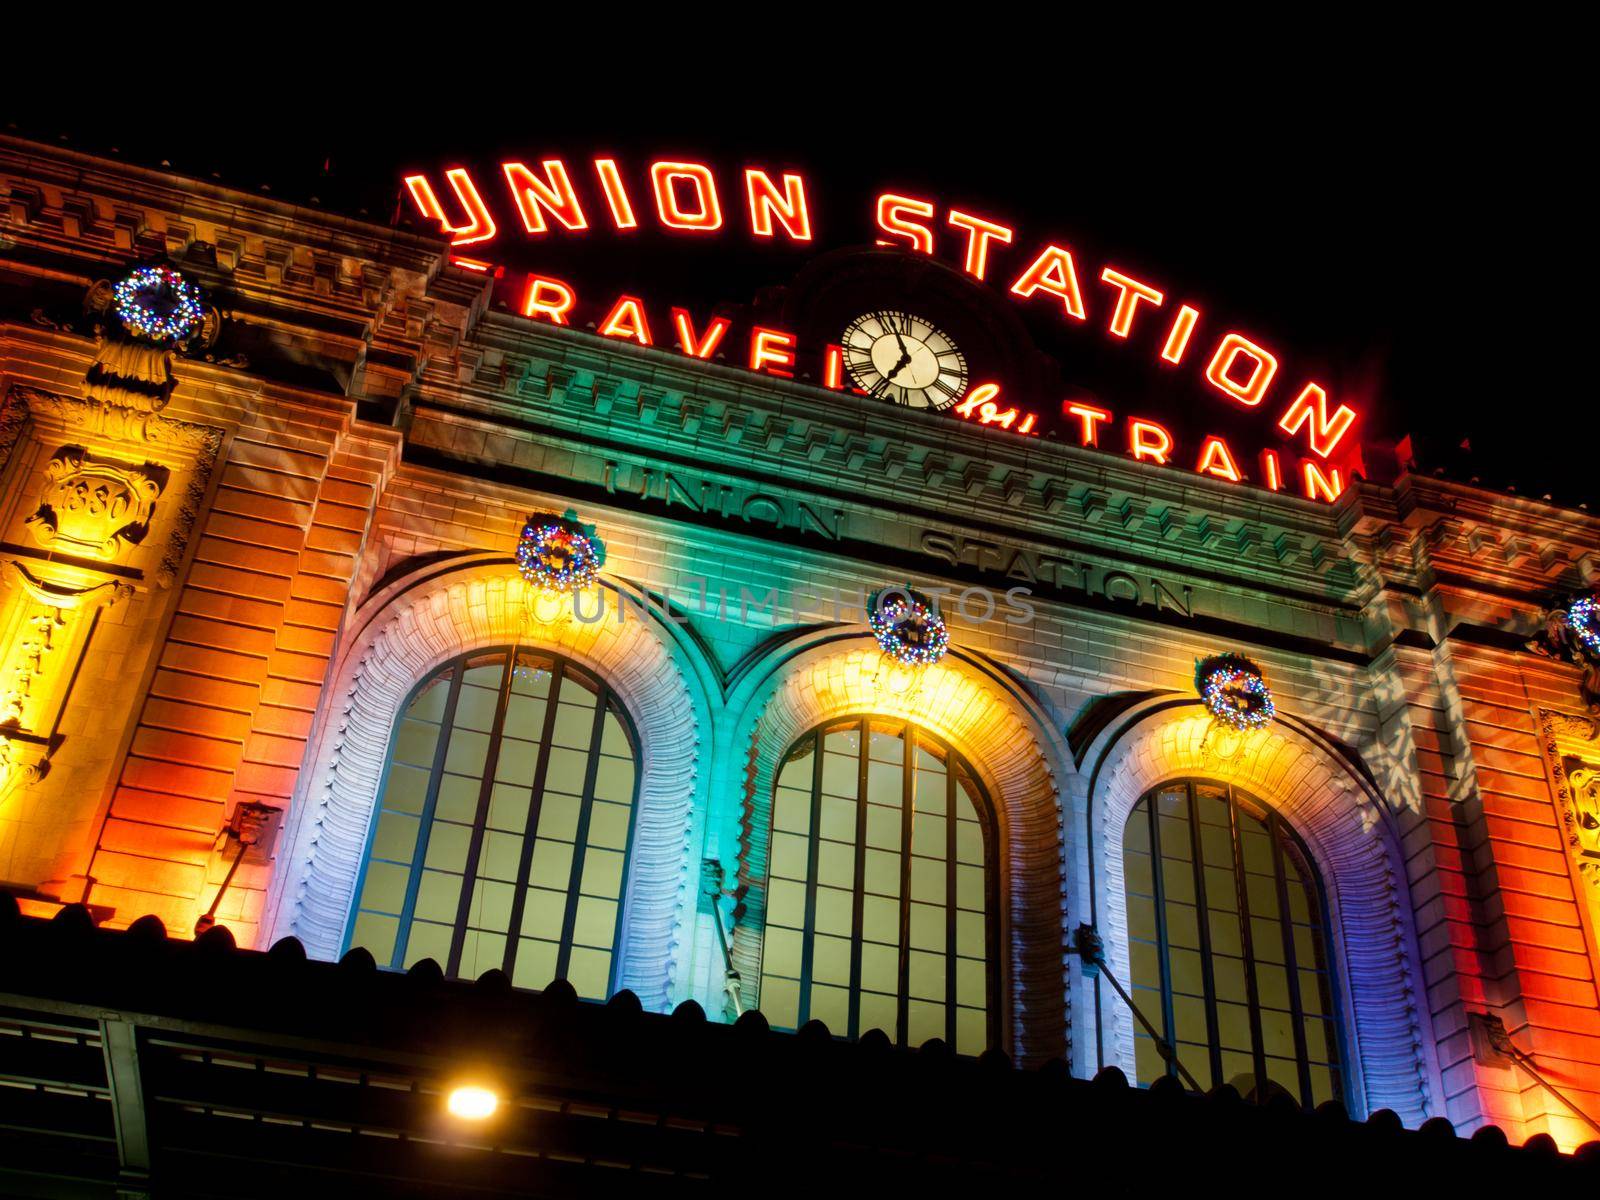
column 562, row 198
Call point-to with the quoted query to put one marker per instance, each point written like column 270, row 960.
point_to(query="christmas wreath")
column 556, row 554
column 158, row 304
column 908, row 627
column 1234, row 692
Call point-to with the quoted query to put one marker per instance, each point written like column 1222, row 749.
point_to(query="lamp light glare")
column 472, row 1103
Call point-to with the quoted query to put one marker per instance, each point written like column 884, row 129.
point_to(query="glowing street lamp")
column 472, row 1103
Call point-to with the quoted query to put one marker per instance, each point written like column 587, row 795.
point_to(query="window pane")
column 407, row 791
column 439, row 897
column 491, row 905
column 414, row 743
column 589, row 972
column 608, row 825
column 428, row 940
column 543, row 913
column 475, row 708
column 376, row 933
column 467, row 752
column 574, row 726
column 835, row 910
column 385, row 888
column 447, row 846
column 614, row 780
column 780, row 1001
column 831, row 1006
column 481, row 951
column 839, row 773
column 602, row 873
column 558, row 817
column 508, row 807
column 396, row 837
column 596, row 922
column 536, row 963
column 885, row 782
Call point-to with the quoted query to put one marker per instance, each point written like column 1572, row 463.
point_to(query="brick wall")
column 240, row 673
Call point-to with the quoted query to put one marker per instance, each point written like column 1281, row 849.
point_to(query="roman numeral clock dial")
column 899, row 357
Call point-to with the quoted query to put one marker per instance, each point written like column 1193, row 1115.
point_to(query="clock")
column 899, row 357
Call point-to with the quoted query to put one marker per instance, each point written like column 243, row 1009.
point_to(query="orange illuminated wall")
column 241, row 671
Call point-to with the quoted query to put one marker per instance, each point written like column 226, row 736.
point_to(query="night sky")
column 1419, row 237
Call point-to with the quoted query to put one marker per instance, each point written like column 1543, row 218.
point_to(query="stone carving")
column 200, row 444
column 23, row 761
column 205, row 460
column 43, row 635
column 1585, row 780
column 38, row 636
column 13, row 418
column 1559, row 638
column 1571, row 746
column 94, row 509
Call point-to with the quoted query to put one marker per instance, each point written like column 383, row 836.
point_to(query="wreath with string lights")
column 1234, row 692
column 556, row 554
column 158, row 304
column 908, row 627
column 1583, row 618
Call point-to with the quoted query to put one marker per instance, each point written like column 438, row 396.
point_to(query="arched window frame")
column 606, row 700
column 1280, row 831
column 911, row 733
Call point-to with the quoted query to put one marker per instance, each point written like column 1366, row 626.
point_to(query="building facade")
column 270, row 663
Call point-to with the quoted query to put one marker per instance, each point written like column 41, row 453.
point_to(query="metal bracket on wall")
column 1091, row 952
column 253, row 827
column 712, row 892
column 1492, row 1046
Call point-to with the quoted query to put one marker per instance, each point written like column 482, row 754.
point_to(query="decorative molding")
column 1571, row 747
column 44, row 633
column 585, row 383
column 432, row 621
column 1353, row 843
column 24, row 761
column 14, row 414
column 203, row 463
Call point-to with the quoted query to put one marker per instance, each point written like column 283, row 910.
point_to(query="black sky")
column 1414, row 213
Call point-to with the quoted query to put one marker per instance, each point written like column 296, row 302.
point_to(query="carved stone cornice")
column 283, row 265
column 583, row 389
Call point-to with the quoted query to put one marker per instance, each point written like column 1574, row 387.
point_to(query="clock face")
column 903, row 358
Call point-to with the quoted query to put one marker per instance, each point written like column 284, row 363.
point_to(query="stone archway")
column 985, row 721
column 1351, row 835
column 412, row 627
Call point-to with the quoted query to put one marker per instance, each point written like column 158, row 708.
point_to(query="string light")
column 908, row 628
column 1583, row 617
column 556, row 555
column 1234, row 692
column 159, row 304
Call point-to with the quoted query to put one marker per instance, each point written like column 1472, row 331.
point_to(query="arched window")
column 502, row 829
column 879, row 892
column 1227, row 943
